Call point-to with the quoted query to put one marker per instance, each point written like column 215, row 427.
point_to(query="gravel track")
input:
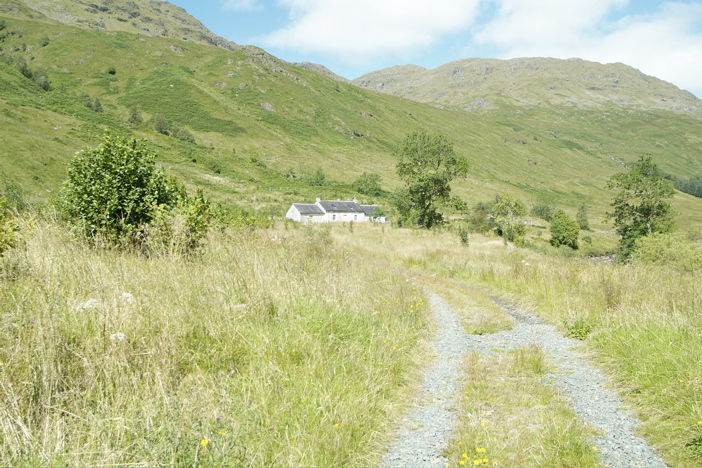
column 426, row 430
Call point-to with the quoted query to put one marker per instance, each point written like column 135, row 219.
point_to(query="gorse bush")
column 115, row 192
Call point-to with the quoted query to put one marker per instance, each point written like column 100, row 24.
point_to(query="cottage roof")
column 368, row 209
column 308, row 209
column 332, row 206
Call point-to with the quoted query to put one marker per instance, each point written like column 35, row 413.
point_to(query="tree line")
column 427, row 164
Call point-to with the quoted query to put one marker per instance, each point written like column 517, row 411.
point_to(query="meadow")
column 303, row 346
column 641, row 322
column 267, row 348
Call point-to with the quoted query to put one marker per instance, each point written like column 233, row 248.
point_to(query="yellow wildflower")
column 204, row 442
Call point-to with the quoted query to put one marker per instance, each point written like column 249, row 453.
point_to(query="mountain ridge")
column 476, row 83
column 151, row 18
column 253, row 130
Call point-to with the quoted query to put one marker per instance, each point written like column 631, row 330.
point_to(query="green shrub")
column 543, row 210
column 507, row 215
column 115, row 192
column 315, row 179
column 564, row 230
column 480, row 219
column 670, row 250
column 463, row 234
column 178, row 229
column 582, row 219
column 368, row 184
column 135, row 117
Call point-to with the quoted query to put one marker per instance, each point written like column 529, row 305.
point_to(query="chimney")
column 354, row 200
column 318, row 200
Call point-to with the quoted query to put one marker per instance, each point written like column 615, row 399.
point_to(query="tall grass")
column 270, row 348
column 509, row 417
column 643, row 322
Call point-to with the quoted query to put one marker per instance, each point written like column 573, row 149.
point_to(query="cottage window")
column 333, row 217
column 355, row 217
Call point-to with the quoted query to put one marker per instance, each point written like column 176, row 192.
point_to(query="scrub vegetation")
column 142, row 326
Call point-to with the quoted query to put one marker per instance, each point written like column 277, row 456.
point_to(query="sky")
column 355, row 37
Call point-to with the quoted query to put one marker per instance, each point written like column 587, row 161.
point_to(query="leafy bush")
column 161, row 124
column 543, row 210
column 480, row 219
column 93, row 104
column 564, row 230
column 315, row 179
column 670, row 250
column 116, row 192
column 368, row 184
column 691, row 186
column 166, row 127
column 507, row 215
column 581, row 217
column 39, row 77
column 178, row 229
column 135, row 117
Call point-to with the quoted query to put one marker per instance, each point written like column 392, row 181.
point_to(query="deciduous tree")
column 640, row 208
column 427, row 164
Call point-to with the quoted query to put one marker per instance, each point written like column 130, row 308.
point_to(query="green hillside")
column 262, row 126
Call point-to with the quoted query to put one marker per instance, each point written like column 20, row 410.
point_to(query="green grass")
column 217, row 95
column 508, row 417
column 237, row 356
column 641, row 321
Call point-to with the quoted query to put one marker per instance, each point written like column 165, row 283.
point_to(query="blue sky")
column 354, row 37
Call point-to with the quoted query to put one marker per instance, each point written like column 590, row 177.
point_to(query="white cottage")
column 331, row 211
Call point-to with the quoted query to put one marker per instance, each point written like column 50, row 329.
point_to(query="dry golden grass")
column 642, row 322
column 269, row 348
column 508, row 417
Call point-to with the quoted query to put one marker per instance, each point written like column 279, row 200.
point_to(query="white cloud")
column 544, row 23
column 666, row 44
column 239, row 5
column 353, row 30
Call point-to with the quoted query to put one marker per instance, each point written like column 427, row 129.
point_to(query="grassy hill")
column 485, row 84
column 262, row 126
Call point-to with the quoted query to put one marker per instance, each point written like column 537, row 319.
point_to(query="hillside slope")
column 152, row 18
column 253, row 130
column 473, row 84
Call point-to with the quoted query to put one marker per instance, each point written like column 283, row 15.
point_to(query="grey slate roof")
column 332, row 206
column 368, row 209
column 308, row 209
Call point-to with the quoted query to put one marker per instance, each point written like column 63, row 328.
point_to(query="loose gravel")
column 426, row 430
